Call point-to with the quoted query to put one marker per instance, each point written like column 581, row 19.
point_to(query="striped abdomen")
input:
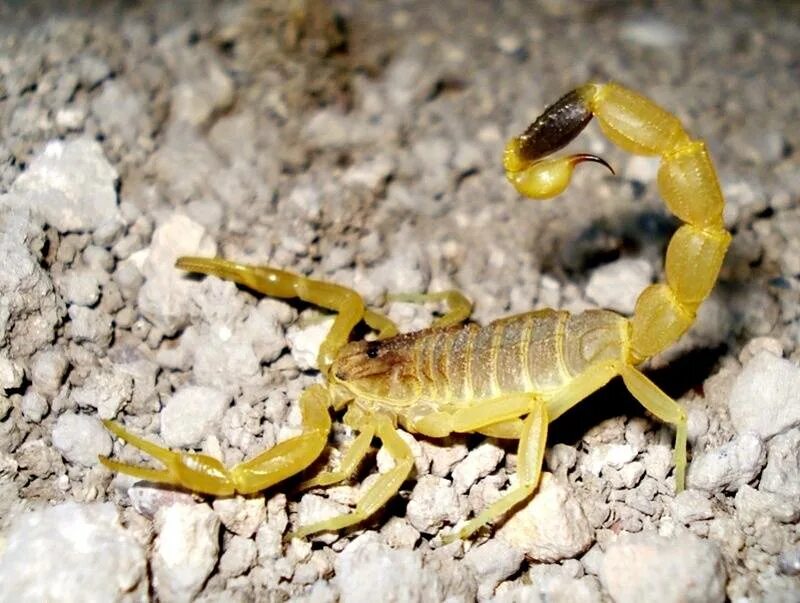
column 534, row 352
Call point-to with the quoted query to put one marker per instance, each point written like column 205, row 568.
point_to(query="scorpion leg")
column 459, row 307
column 293, row 455
column 665, row 408
column 354, row 455
column 506, row 430
column 207, row 475
column 381, row 491
column 529, row 467
column 279, row 283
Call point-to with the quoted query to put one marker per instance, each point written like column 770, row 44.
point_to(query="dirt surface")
column 361, row 144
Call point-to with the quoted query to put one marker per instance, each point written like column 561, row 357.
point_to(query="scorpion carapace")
column 508, row 379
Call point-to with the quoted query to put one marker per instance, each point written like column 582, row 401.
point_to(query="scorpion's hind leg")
column 665, row 408
column 384, row 487
column 530, row 454
column 347, row 303
column 459, row 307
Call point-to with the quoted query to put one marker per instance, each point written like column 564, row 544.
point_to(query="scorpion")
column 508, row 379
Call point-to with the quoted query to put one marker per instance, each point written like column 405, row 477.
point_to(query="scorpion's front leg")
column 384, row 487
column 459, row 307
column 206, row 475
column 347, row 303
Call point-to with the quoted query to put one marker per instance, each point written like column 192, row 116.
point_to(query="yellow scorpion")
column 508, row 379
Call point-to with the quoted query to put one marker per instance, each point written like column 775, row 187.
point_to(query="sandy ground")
column 361, row 143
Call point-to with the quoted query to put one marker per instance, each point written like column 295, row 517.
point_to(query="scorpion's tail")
column 686, row 179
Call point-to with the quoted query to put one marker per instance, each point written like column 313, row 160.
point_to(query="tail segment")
column 686, row 179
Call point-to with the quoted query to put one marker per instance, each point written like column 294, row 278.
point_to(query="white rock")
column 185, row 551
column 29, row 307
column 398, row 533
column 763, row 399
column 48, row 367
column 34, row 406
column 647, row 567
column 657, row 461
column 241, row 515
column 653, row 32
column 443, row 455
column 551, row 527
column 92, row 325
column 617, row 285
column 556, row 589
column 491, row 563
column 752, row 504
column 479, row 462
column 148, row 500
column 611, row 455
column 560, row 458
column 165, row 296
column 71, row 184
column 304, row 341
column 691, row 505
column 239, row 556
column 105, row 390
column 80, row 287
column 782, row 473
column 81, row 438
column 368, row 571
column 631, row 474
column 192, row 414
column 433, row 502
column 729, row 466
column 72, row 552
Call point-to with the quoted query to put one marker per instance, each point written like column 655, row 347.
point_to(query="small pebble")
column 478, row 463
column 782, row 473
column 241, row 515
column 105, row 390
column 617, row 285
column 81, row 438
column 47, row 370
column 238, row 557
column 491, row 563
column 34, row 406
column 691, row 505
column 88, row 325
column 304, row 342
column 647, row 567
column 368, row 570
column 763, row 399
column 729, row 466
column 551, row 526
column 72, row 552
column 192, row 414
column 433, row 503
column 185, row 551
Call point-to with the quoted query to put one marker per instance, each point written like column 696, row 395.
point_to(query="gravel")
column 648, row 567
column 185, row 551
column 359, row 143
column 191, row 415
column 82, row 553
column 764, row 396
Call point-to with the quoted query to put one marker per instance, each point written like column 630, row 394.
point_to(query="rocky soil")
column 360, row 143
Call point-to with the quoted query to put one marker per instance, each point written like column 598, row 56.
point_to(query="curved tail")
column 686, row 179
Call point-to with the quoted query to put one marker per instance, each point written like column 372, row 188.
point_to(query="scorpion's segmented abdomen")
column 534, row 352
